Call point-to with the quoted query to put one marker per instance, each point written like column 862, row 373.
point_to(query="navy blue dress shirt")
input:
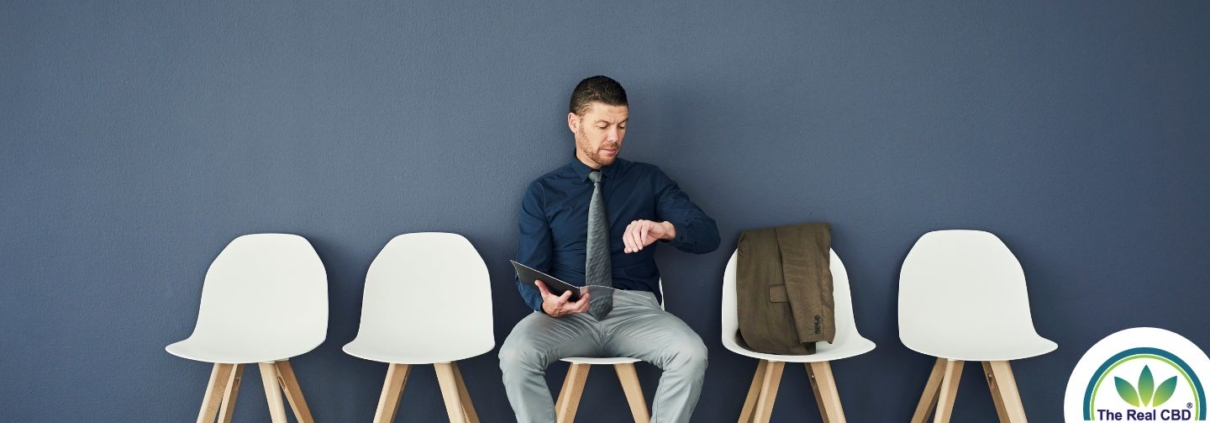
column 554, row 223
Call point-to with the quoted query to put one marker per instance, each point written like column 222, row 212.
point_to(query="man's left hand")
column 642, row 233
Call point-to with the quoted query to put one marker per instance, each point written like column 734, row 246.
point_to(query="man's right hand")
column 559, row 305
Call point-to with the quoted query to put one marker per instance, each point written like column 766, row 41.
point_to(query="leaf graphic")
column 1164, row 391
column 1146, row 386
column 1126, row 391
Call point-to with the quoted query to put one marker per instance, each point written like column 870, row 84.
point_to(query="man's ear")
column 573, row 122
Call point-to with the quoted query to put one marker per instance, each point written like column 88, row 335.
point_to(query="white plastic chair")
column 428, row 300
column 962, row 298
column 264, row 300
column 848, row 343
column 577, row 375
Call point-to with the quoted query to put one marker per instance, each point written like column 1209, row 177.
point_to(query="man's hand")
column 558, row 305
column 642, row 233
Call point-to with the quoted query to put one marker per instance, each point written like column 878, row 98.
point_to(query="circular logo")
column 1139, row 374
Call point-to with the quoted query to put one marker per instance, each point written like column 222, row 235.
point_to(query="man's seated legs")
column 537, row 341
column 639, row 328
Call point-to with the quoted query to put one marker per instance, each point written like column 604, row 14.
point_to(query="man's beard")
column 595, row 155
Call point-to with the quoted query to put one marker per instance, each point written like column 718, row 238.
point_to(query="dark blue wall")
column 138, row 138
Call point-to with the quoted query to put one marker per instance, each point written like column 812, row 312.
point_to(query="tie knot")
column 595, row 176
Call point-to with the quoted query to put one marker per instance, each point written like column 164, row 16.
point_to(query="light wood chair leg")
column 745, row 415
column 277, row 408
column 289, row 384
column 231, row 394
column 1004, row 391
column 928, row 400
column 949, row 390
column 449, row 392
column 634, row 392
column 823, row 383
column 569, row 394
column 213, row 399
column 468, row 407
column 768, row 392
column 990, row 378
column 392, row 390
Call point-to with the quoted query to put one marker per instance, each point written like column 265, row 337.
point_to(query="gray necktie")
column 598, row 274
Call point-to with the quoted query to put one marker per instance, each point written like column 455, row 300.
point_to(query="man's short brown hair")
column 602, row 89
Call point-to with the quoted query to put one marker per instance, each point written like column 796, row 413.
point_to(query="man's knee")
column 689, row 354
column 520, row 355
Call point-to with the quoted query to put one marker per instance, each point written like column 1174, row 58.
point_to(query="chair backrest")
column 846, row 326
column 265, row 292
column 958, row 287
column 433, row 290
column 663, row 299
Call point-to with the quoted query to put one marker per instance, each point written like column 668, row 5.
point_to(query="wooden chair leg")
column 1004, row 391
column 949, row 389
column 745, row 415
column 449, row 392
column 468, row 407
column 231, row 394
column 569, row 394
column 826, row 395
column 289, row 384
column 212, row 400
column 634, row 392
column 928, row 400
column 392, row 390
column 277, row 408
column 768, row 392
column 990, row 377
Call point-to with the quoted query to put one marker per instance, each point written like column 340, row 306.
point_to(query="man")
column 594, row 222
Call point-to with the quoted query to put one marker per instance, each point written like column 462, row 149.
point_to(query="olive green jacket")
column 784, row 288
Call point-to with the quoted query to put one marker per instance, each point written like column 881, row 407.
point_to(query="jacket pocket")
column 777, row 294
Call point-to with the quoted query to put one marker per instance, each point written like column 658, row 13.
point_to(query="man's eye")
column 622, row 127
column 601, row 127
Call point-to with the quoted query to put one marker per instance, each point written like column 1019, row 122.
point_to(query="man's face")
column 599, row 132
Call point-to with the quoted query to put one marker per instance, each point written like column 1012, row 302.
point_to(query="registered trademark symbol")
column 1188, row 405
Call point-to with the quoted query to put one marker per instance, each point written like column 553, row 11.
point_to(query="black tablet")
column 528, row 275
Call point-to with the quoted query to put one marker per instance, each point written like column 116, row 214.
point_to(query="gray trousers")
column 637, row 327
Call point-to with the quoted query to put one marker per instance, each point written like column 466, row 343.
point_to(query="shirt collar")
column 607, row 172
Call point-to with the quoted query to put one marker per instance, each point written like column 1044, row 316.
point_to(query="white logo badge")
column 1140, row 374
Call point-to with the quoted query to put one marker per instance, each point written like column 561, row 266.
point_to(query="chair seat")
column 982, row 347
column 400, row 351
column 848, row 341
column 823, row 351
column 228, row 352
column 264, row 299
column 601, row 360
column 962, row 296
